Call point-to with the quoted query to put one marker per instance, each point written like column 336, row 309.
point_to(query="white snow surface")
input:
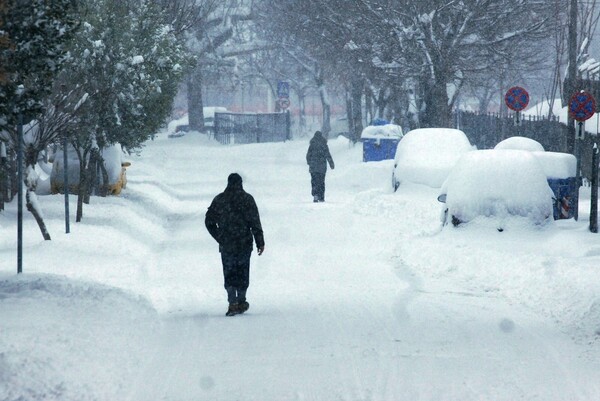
column 427, row 155
column 363, row 297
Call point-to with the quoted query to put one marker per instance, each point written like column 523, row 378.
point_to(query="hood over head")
column 234, row 181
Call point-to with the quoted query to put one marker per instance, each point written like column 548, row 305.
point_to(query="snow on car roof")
column 426, row 155
column 520, row 143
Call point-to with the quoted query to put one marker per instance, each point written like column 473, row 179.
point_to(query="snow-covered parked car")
column 426, row 156
column 113, row 163
column 497, row 183
column 180, row 126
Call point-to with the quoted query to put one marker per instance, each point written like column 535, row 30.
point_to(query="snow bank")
column 426, row 156
column 498, row 183
column 64, row 347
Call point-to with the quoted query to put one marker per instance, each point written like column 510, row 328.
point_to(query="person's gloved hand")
column 261, row 250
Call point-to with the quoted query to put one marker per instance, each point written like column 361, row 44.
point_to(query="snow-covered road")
column 361, row 298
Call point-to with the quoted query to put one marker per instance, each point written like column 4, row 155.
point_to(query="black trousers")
column 236, row 274
column 317, row 180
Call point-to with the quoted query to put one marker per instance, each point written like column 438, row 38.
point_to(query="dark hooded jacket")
column 233, row 220
column 318, row 154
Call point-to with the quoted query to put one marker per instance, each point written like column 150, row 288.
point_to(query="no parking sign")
column 516, row 98
column 582, row 106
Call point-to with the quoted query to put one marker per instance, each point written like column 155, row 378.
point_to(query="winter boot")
column 233, row 310
column 243, row 307
column 315, row 198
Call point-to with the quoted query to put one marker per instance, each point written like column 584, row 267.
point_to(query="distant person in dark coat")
column 233, row 221
column 317, row 158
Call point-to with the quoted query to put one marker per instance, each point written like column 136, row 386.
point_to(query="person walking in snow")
column 317, row 158
column 232, row 219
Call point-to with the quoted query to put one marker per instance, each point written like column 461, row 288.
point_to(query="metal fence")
column 486, row 130
column 251, row 127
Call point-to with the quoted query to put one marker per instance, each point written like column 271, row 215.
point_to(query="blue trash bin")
column 566, row 197
column 560, row 169
column 380, row 142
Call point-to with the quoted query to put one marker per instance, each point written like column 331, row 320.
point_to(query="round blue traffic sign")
column 582, row 106
column 516, row 98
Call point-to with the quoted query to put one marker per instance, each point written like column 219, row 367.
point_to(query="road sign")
column 582, row 106
column 283, row 89
column 284, row 103
column 516, row 98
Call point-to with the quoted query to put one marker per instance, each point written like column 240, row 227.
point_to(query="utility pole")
column 570, row 87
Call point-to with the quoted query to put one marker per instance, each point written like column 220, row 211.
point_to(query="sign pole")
column 20, row 194
column 582, row 107
column 594, row 197
column 578, row 157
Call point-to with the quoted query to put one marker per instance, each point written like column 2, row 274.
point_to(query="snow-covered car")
column 114, row 164
column 180, row 126
column 497, row 183
column 520, row 143
column 426, row 156
column 339, row 126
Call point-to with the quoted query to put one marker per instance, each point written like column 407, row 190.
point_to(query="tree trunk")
column 381, row 103
column 356, row 93
column 104, row 188
column 31, row 200
column 349, row 113
column 571, row 72
column 326, row 126
column 437, row 112
column 3, row 181
column 302, row 109
column 81, row 189
column 369, row 105
column 91, row 176
column 194, row 98
column 30, row 182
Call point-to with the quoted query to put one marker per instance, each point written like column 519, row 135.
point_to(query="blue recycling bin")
column 375, row 150
column 380, row 142
column 566, row 197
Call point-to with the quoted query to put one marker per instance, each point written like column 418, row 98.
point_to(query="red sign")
column 582, row 106
column 516, row 98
